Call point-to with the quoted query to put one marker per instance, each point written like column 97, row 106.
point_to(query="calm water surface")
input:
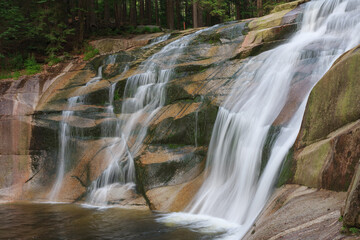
column 71, row 221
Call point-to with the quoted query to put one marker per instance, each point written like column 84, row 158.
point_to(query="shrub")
column 90, row 52
column 53, row 60
column 5, row 75
column 354, row 230
column 155, row 30
column 31, row 66
column 16, row 75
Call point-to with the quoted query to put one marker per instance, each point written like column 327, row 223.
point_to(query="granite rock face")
column 327, row 151
column 169, row 167
column 351, row 210
column 299, row 212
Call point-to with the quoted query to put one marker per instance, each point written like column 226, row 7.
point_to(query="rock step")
column 166, row 165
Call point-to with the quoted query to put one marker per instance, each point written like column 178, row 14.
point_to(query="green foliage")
column 351, row 230
column 270, row 5
column 53, row 60
column 90, row 52
column 5, row 75
column 116, row 96
column 16, row 75
column 31, row 66
column 174, row 146
column 340, row 218
column 155, row 30
column 48, row 28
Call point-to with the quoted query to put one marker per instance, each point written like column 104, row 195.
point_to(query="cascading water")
column 63, row 155
column 107, row 129
column 158, row 40
column 65, row 136
column 235, row 189
column 143, row 96
column 197, row 121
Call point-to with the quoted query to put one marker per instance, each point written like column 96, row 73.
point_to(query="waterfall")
column 158, row 40
column 143, row 97
column 235, row 189
column 65, row 136
column 197, row 120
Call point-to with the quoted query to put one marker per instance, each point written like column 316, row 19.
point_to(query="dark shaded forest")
column 33, row 31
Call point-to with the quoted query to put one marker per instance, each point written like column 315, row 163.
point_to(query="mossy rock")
column 175, row 92
column 286, row 6
column 234, row 31
column 210, row 38
column 181, row 165
column 195, row 127
column 334, row 101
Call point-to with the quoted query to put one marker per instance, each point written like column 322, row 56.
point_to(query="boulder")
column 326, row 151
column 297, row 212
column 351, row 210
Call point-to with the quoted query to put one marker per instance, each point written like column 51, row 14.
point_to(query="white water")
column 108, row 127
column 65, row 136
column 143, row 96
column 234, row 190
column 197, row 121
column 158, row 40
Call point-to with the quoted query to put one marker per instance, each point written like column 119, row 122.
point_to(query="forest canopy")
column 40, row 30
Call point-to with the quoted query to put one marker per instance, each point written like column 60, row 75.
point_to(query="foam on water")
column 235, row 188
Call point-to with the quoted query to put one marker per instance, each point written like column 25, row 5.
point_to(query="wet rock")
column 329, row 163
column 269, row 31
column 290, row 5
column 326, row 151
column 184, row 123
column 114, row 45
column 351, row 210
column 298, row 212
column 334, row 101
column 174, row 198
column 168, row 165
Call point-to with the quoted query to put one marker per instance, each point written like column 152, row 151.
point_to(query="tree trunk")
column 81, row 26
column 259, row 8
column 208, row 18
column 87, row 15
column 123, row 13
column 106, row 12
column 157, row 13
column 92, row 14
column 72, row 6
column 200, row 16
column 117, row 9
column 170, row 14
column 195, row 14
column 148, row 12
column 187, row 17
column 141, row 12
column 133, row 13
column 238, row 10
column 178, row 14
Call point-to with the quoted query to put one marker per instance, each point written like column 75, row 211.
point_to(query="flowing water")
column 235, row 189
column 158, row 40
column 144, row 95
column 65, row 137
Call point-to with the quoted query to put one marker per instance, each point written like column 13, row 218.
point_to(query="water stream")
column 235, row 189
column 65, row 136
column 144, row 95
